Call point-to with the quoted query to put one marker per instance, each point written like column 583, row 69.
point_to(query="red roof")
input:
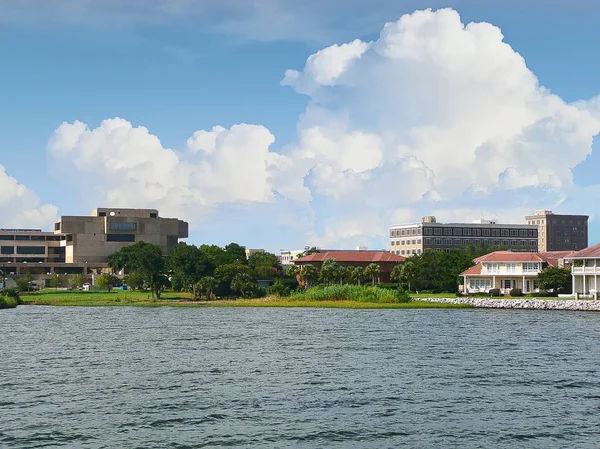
column 509, row 256
column 552, row 257
column 352, row 256
column 475, row 269
column 591, row 252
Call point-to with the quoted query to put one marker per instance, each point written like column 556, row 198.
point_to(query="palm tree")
column 309, row 274
column 372, row 270
column 396, row 274
column 329, row 271
column 356, row 274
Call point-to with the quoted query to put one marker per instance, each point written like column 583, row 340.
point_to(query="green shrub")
column 279, row 289
column 402, row 295
column 348, row 293
column 494, row 292
column 516, row 292
column 9, row 298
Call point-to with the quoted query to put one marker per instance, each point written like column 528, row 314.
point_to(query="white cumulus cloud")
column 20, row 207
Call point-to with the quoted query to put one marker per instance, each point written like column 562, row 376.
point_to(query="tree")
column 107, row 281
column 340, row 273
column 134, row 280
column 23, row 283
column 207, row 285
column 76, row 281
column 54, row 281
column 292, row 271
column 226, row 273
column 235, row 253
column 146, row 259
column 408, row 271
column 309, row 275
column 263, row 259
column 329, row 271
column 356, row 275
column 243, row 284
column 372, row 270
column 188, row 264
column 555, row 278
column 396, row 274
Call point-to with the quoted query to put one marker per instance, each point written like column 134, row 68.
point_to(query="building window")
column 485, row 232
column 21, row 237
column 438, row 241
column 492, row 268
column 532, row 243
column 466, row 231
column 57, row 226
column 504, row 232
column 480, row 284
column 437, row 231
column 31, row 250
column 414, row 242
column 495, row 232
column 153, row 215
column 531, row 267
column 457, row 242
column 514, row 242
column 448, row 242
column 511, row 267
column 102, row 214
column 7, row 250
column 120, row 237
column 477, row 232
column 514, row 232
column 122, row 226
column 447, row 231
column 418, row 241
column 403, row 242
column 428, row 241
column 457, row 231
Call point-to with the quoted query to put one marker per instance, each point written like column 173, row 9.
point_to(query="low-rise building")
column 286, row 258
column 585, row 269
column 507, row 270
column 351, row 258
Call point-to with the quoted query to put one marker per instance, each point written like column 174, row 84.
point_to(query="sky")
column 280, row 124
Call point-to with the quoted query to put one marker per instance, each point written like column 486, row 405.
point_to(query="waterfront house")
column 506, row 270
column 585, row 269
column 355, row 258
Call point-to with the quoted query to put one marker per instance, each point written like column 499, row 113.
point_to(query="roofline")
column 501, row 225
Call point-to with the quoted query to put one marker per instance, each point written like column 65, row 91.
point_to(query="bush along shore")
column 521, row 303
column 9, row 298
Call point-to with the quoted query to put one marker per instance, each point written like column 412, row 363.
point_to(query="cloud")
column 128, row 166
column 20, row 207
column 432, row 117
column 432, row 110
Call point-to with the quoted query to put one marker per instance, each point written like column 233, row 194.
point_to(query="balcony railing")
column 586, row 270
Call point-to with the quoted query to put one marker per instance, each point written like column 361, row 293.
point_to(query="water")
column 300, row 378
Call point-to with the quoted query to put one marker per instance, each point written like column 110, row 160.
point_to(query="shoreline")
column 523, row 303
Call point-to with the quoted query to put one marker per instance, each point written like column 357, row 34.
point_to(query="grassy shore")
column 175, row 299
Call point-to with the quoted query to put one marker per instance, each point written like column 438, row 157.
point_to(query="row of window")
column 405, row 232
column 120, row 237
column 467, row 232
column 33, row 238
column 487, row 242
column 122, row 226
column 23, row 250
column 407, row 252
column 406, row 242
column 557, row 221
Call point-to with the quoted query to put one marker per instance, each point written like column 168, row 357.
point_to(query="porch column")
column 583, row 282
column 523, row 286
column 465, row 284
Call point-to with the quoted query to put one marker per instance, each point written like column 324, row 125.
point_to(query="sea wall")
column 522, row 303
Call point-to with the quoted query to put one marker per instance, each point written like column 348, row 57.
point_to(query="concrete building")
column 560, row 232
column 586, row 270
column 82, row 244
column 414, row 238
column 507, row 270
column 287, row 258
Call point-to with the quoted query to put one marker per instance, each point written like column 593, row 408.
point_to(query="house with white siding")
column 506, row 270
column 585, row 269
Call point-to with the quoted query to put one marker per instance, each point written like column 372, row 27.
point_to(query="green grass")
column 432, row 295
column 174, row 299
column 347, row 293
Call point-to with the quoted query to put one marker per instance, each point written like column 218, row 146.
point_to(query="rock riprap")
column 522, row 303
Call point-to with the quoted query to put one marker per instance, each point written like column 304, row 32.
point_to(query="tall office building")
column 560, row 232
column 414, row 238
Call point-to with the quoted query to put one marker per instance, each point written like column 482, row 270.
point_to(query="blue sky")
column 429, row 117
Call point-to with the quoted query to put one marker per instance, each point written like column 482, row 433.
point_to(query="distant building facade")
column 560, row 232
column 409, row 239
column 82, row 244
column 286, row 258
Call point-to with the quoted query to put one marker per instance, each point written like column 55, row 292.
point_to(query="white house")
column 586, row 270
column 507, row 270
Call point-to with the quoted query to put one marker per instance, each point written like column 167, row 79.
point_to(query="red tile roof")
column 552, row 257
column 475, row 269
column 509, row 256
column 352, row 256
column 591, row 252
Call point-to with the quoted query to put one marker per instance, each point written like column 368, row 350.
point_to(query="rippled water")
column 172, row 377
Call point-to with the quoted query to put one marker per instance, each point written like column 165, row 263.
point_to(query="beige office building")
column 560, row 232
column 83, row 244
column 414, row 238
